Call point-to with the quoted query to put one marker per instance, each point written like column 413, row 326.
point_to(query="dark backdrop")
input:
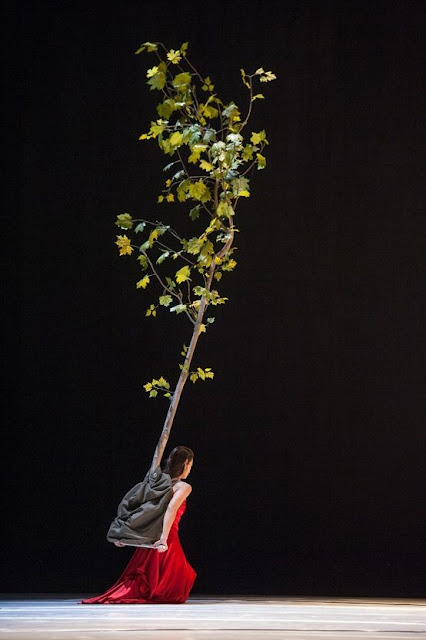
column 307, row 477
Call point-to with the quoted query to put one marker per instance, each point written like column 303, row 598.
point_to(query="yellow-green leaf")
column 162, row 382
column 183, row 274
column 176, row 139
column 196, row 151
column 243, row 76
column 199, row 191
column 224, row 209
column 143, row 261
column 153, row 237
column 158, row 79
column 194, row 246
column 165, row 301
column 268, row 76
column 143, row 283
column 181, row 81
column 204, row 165
column 147, row 46
column 151, row 72
column 123, row 242
column 256, row 138
column 174, row 56
column 261, row 161
column 124, row 221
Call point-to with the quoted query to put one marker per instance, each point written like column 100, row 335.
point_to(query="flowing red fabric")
column 152, row 577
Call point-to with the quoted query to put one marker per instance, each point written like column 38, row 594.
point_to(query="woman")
column 161, row 575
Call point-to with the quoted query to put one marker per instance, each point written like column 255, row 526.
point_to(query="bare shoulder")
column 182, row 488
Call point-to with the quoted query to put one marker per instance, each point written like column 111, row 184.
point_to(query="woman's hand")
column 161, row 545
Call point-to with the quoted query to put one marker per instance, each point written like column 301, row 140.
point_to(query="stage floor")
column 59, row 617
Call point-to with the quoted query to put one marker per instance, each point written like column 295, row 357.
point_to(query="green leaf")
column 157, row 128
column 230, row 265
column 206, row 253
column 257, row 138
column 179, row 308
column 258, row 96
column 183, row 274
column 224, row 209
column 195, row 212
column 231, row 111
column 170, row 283
column 153, row 393
column 201, row 291
column 210, row 320
column 208, row 111
column 244, row 79
column 183, row 189
column 140, row 227
column 247, row 153
column 193, row 376
column 166, row 108
column 147, row 46
column 207, row 86
column 163, row 256
column 181, row 81
column 158, row 79
column 240, row 187
column 165, row 301
column 143, row 261
column 168, row 166
column 199, row 191
column 152, row 311
column 194, row 246
column 124, row 221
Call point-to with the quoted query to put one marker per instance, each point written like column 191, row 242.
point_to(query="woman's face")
column 187, row 468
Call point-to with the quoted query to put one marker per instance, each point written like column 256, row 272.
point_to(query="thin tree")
column 213, row 156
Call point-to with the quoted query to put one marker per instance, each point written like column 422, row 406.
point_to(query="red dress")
column 152, row 577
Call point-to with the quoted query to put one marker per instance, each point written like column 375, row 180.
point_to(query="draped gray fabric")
column 140, row 514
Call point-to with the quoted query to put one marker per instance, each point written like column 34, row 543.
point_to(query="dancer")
column 161, row 574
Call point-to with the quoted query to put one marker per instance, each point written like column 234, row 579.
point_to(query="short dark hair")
column 176, row 460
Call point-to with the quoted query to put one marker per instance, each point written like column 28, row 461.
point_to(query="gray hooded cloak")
column 140, row 514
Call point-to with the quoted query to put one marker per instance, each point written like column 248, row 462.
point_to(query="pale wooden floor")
column 56, row 617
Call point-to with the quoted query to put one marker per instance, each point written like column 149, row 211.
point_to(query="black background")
column 308, row 470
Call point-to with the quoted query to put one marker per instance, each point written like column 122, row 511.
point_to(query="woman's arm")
column 181, row 493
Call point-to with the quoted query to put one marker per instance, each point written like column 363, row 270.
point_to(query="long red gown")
column 152, row 577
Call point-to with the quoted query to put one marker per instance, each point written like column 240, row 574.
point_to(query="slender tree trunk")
column 174, row 403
